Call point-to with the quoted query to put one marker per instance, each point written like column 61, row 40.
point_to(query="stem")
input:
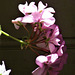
column 26, row 28
column 6, row 34
column 33, row 50
column 35, row 36
column 32, row 33
column 40, row 41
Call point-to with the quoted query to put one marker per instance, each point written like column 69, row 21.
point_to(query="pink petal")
column 42, row 45
column 52, row 58
column 16, row 22
column 36, row 16
column 50, row 9
column 32, row 3
column 17, row 19
column 63, row 61
column 46, row 14
column 28, row 19
column 32, row 7
column 39, row 71
column 51, row 47
column 48, row 22
column 16, row 26
column 64, row 58
column 22, row 7
column 59, row 63
column 40, row 60
column 55, row 41
column 41, row 6
column 55, row 32
column 27, row 9
column 60, row 51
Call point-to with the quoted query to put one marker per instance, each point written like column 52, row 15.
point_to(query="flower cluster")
column 53, row 62
column 3, row 69
column 45, row 36
column 34, row 15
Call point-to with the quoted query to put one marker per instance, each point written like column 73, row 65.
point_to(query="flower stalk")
column 6, row 34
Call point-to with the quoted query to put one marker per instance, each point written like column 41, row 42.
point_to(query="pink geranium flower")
column 33, row 14
column 50, row 64
column 44, row 63
column 45, row 17
column 53, row 39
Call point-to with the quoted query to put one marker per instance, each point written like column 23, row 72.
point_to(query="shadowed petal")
column 53, row 72
column 16, row 26
column 15, row 22
column 60, row 51
column 39, row 71
column 52, row 47
column 55, row 41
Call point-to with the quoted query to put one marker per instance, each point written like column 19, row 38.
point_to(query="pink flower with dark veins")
column 44, row 63
column 51, row 64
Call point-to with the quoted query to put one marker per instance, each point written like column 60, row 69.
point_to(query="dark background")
column 21, row 62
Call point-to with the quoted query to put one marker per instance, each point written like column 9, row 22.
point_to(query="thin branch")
column 33, row 50
column 25, row 28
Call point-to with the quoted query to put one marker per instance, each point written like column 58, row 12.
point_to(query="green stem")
column 20, row 41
